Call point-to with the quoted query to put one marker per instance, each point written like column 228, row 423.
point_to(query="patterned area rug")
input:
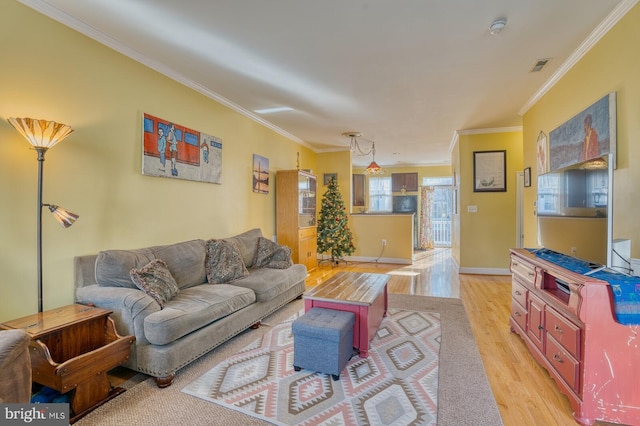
column 396, row 385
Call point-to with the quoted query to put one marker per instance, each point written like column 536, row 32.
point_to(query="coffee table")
column 363, row 294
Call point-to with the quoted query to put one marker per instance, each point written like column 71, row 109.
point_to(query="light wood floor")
column 525, row 393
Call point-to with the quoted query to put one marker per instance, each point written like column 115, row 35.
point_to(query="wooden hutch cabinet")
column 296, row 223
column 568, row 322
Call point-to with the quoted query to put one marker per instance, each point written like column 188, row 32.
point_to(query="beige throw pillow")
column 224, row 262
column 271, row 255
column 156, row 280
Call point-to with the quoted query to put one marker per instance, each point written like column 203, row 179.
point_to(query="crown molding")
column 489, row 130
column 71, row 22
column 611, row 20
column 458, row 133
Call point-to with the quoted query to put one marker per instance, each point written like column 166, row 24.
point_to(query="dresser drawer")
column 519, row 293
column 524, row 270
column 305, row 233
column 567, row 366
column 519, row 314
column 564, row 332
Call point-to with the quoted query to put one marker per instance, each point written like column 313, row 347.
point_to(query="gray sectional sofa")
column 199, row 316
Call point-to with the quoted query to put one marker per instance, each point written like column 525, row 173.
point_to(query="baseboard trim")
column 363, row 259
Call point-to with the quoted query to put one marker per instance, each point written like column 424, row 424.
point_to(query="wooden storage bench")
column 72, row 349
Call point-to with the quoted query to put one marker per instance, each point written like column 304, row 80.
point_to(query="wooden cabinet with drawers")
column 568, row 323
column 296, row 215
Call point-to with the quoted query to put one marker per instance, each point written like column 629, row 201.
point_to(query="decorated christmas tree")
column 334, row 236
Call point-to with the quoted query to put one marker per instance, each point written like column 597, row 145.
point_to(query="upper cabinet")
column 358, row 190
column 295, row 201
column 406, row 181
column 296, row 215
column 306, row 200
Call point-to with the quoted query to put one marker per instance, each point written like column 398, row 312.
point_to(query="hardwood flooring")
column 525, row 393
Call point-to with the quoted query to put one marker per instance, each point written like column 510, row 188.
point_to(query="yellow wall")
column 52, row 72
column 335, row 162
column 485, row 237
column 370, row 229
column 612, row 65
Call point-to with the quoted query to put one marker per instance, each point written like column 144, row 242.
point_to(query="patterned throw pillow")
column 271, row 255
column 224, row 262
column 156, row 280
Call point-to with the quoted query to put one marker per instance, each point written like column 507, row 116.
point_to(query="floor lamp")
column 43, row 135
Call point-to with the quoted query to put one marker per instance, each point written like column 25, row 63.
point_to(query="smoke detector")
column 497, row 26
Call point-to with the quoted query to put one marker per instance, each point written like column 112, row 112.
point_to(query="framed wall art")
column 542, row 154
column 527, row 177
column 328, row 177
column 587, row 135
column 489, row 171
column 260, row 174
column 175, row 151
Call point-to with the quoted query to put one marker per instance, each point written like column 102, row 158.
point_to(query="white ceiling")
column 408, row 74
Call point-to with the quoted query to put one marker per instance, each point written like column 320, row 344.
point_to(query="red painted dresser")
column 568, row 322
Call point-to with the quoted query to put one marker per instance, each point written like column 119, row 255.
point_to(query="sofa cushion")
column 155, row 279
column 246, row 243
column 270, row 283
column 271, row 255
column 194, row 308
column 185, row 261
column 223, row 262
column 113, row 267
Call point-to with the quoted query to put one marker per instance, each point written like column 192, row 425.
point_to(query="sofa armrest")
column 15, row 367
column 129, row 306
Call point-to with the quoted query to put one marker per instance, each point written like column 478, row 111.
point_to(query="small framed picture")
column 328, row 177
column 527, row 177
column 260, row 174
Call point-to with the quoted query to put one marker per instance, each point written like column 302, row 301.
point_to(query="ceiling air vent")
column 539, row 65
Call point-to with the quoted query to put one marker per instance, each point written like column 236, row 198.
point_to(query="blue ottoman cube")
column 323, row 341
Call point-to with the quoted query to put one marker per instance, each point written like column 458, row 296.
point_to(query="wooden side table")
column 72, row 349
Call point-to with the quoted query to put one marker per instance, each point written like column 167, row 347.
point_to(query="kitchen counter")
column 383, row 237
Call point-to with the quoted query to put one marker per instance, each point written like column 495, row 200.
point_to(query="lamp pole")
column 42, row 135
column 41, row 151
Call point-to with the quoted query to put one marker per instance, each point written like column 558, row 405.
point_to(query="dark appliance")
column 408, row 204
column 405, row 203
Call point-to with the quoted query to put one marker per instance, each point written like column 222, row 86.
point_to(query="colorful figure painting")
column 588, row 135
column 174, row 151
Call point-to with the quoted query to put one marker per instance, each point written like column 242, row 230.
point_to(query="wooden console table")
column 363, row 294
column 72, row 348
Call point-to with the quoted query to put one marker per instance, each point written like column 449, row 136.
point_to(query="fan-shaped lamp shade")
column 64, row 217
column 41, row 133
column 374, row 169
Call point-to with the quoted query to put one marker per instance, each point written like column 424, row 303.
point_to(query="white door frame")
column 519, row 210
